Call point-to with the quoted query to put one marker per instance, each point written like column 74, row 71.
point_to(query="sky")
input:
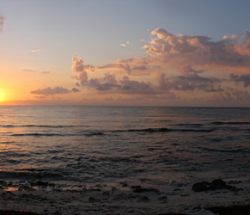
column 125, row 52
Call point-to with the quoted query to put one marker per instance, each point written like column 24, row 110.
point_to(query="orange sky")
column 64, row 58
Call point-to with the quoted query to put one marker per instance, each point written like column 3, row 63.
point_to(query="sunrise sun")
column 2, row 96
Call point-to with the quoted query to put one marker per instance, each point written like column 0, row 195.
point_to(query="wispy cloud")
column 128, row 65
column 2, row 20
column 49, row 91
column 35, row 50
column 126, row 44
column 46, row 72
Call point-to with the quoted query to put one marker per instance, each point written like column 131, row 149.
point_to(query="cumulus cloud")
column 231, row 38
column 244, row 79
column 2, row 19
column 232, row 95
column 190, row 80
column 53, row 91
column 81, row 70
column 136, row 87
column 174, row 64
column 108, row 82
column 167, row 51
column 199, row 50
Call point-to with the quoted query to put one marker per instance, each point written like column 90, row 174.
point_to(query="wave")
column 230, row 123
column 89, row 134
column 7, row 142
column 159, row 130
column 38, row 126
column 110, row 132
column 37, row 134
column 214, row 123
column 148, row 130
column 190, row 124
column 229, row 150
column 94, row 134
column 31, row 175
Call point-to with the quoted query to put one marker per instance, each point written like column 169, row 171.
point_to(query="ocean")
column 165, row 148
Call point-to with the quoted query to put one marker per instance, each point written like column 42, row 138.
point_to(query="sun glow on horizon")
column 2, row 96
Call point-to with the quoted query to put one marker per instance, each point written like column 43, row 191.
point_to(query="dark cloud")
column 109, row 83
column 244, row 79
column 232, row 94
column 190, row 80
column 106, row 83
column 75, row 90
column 53, row 91
column 81, row 70
column 45, row 72
column 136, row 87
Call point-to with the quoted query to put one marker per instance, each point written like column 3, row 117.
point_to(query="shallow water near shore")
column 118, row 149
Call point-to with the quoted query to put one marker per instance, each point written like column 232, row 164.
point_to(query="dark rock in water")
column 235, row 182
column 163, row 199
column 41, row 183
column 143, row 199
column 106, row 193
column 3, row 183
column 10, row 212
column 91, row 199
column 120, row 196
column 124, row 184
column 216, row 184
column 25, row 186
column 171, row 214
column 113, row 190
column 139, row 189
column 231, row 210
column 135, row 186
column 201, row 186
column 132, row 196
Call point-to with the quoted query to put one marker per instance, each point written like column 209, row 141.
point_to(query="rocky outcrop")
column 216, row 184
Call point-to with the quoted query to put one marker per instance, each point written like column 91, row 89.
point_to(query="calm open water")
column 76, row 144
